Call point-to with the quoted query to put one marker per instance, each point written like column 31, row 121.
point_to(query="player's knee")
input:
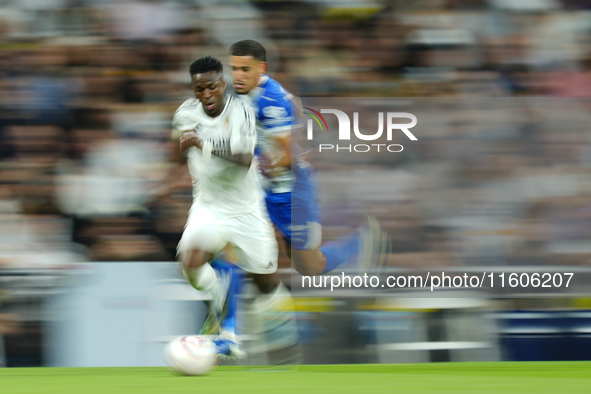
column 308, row 269
column 193, row 259
column 308, row 262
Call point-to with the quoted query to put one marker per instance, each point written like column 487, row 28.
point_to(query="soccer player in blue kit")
column 291, row 199
column 293, row 207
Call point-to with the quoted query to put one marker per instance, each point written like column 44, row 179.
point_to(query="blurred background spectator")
column 88, row 88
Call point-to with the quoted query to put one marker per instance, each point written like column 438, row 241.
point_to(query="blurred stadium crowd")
column 88, row 88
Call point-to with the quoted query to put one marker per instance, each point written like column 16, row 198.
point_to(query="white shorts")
column 252, row 235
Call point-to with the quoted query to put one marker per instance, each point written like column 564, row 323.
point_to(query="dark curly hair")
column 249, row 48
column 206, row 64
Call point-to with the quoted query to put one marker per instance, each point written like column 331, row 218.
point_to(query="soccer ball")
column 191, row 355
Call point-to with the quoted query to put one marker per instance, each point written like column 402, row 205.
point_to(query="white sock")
column 231, row 336
column 277, row 326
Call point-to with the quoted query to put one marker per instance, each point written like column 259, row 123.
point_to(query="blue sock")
column 228, row 322
column 340, row 251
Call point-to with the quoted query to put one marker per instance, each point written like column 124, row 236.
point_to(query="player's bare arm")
column 189, row 139
column 281, row 158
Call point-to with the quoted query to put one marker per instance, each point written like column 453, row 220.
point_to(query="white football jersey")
column 225, row 187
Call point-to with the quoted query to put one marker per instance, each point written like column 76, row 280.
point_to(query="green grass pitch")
column 502, row 377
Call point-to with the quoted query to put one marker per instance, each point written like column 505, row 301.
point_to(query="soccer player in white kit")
column 218, row 134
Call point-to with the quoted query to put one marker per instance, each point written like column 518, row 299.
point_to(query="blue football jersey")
column 293, row 207
column 272, row 106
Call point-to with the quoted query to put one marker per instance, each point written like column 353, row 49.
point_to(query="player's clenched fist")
column 189, row 139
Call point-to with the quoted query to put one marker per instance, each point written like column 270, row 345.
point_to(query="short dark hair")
column 206, row 64
column 249, row 48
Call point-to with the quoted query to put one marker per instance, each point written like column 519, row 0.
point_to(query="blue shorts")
column 296, row 213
